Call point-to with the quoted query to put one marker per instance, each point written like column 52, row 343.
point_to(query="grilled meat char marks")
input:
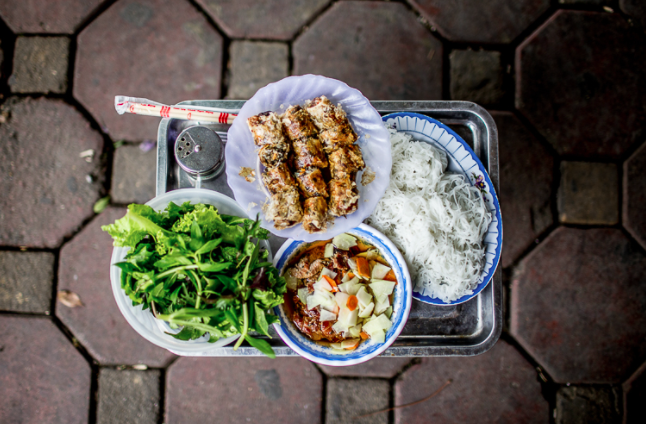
column 303, row 142
column 266, row 128
column 285, row 209
column 344, row 157
column 315, row 214
column 311, row 182
column 332, row 122
column 346, row 162
column 308, row 152
column 344, row 197
column 278, row 179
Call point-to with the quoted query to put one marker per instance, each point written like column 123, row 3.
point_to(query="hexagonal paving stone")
column 163, row 51
column 577, row 305
column 526, row 175
column 348, row 400
column 383, row 367
column 634, row 197
column 588, row 404
column 635, row 397
column 273, row 20
column 26, row 281
column 45, row 194
column 588, row 193
column 46, row 16
column 281, row 390
column 134, row 174
column 255, row 64
column 378, row 48
column 495, row 21
column 128, row 394
column 583, row 100
column 84, row 269
column 40, row 65
column 497, row 386
column 43, row 379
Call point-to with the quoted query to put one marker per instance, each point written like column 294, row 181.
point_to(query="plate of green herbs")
column 191, row 273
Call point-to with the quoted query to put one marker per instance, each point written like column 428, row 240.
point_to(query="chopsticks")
column 139, row 106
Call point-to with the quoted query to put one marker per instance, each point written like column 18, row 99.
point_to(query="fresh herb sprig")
column 199, row 270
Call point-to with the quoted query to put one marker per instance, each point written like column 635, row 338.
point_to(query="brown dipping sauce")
column 307, row 267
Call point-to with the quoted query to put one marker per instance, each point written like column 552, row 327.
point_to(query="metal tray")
column 467, row 329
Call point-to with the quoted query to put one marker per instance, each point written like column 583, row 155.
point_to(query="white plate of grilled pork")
column 310, row 155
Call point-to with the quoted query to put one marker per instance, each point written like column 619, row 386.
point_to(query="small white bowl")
column 143, row 321
column 368, row 349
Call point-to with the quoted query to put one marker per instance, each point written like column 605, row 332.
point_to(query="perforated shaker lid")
column 199, row 150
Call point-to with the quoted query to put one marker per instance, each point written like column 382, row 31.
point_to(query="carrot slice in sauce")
column 391, row 276
column 353, row 346
column 364, row 335
column 363, row 267
column 352, row 302
column 332, row 283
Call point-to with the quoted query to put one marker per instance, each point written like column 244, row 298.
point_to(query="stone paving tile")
column 378, row 48
column 583, row 100
column 40, row 65
column 382, row 367
column 162, row 50
column 98, row 324
column 45, row 193
column 128, row 395
column 526, row 175
column 253, row 65
column 577, row 305
column 476, row 76
column 584, row 405
column 26, row 281
column 634, row 396
column 494, row 21
column 635, row 9
column 46, row 16
column 272, row 20
column 349, row 399
column 634, row 196
column 43, row 379
column 134, row 174
column 588, row 193
column 257, row 390
column 498, row 386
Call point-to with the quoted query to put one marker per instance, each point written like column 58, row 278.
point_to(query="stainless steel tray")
column 467, row 329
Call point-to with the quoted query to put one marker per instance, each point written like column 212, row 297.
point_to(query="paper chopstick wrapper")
column 139, row 106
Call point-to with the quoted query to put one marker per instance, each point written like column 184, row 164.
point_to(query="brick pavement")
column 562, row 80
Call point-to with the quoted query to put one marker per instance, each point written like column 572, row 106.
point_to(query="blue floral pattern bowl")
column 464, row 161
column 368, row 349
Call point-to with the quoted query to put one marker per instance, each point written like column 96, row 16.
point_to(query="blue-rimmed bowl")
column 464, row 161
column 324, row 355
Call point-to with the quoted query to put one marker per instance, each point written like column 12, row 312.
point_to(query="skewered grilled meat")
column 272, row 155
column 314, row 214
column 311, row 182
column 346, row 161
column 284, row 209
column 344, row 197
column 308, row 152
column 298, row 123
column 278, row 179
column 266, row 128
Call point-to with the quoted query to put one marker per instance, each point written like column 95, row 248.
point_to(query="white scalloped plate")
column 373, row 139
